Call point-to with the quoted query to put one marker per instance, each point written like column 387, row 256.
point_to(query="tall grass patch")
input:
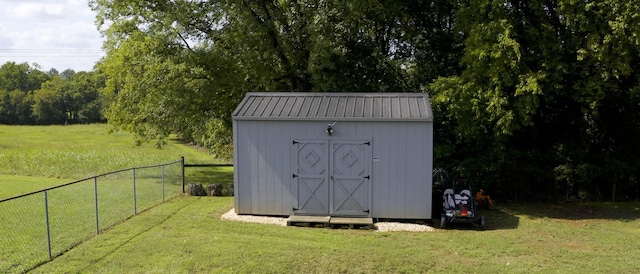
column 36, row 157
column 80, row 151
column 12, row 185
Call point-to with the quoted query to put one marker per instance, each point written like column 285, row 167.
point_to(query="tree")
column 178, row 66
column 21, row 77
column 89, row 102
column 17, row 83
column 530, row 97
column 68, row 74
column 15, row 107
column 74, row 98
column 53, row 72
column 66, row 97
column 49, row 106
column 546, row 92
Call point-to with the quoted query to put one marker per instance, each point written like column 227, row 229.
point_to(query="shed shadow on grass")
column 570, row 211
column 495, row 219
column 508, row 216
column 498, row 219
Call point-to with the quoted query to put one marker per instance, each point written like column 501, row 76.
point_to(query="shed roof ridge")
column 337, row 94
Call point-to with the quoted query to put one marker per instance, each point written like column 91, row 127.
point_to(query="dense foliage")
column 548, row 103
column 29, row 96
column 533, row 99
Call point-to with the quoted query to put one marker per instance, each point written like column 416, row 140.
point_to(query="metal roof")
column 334, row 106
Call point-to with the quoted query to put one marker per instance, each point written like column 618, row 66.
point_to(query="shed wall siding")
column 400, row 179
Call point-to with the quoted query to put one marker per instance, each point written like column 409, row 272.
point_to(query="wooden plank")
column 308, row 219
column 350, row 221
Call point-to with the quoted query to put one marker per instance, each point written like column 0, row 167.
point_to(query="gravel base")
column 379, row 226
column 231, row 215
column 393, row 226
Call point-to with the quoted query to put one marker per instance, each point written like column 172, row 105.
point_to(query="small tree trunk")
column 613, row 192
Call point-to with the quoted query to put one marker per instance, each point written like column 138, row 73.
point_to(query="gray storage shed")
column 334, row 154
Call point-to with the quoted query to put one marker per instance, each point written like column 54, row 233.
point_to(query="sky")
column 58, row 34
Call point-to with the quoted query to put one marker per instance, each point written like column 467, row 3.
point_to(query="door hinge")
column 367, row 211
column 295, row 176
column 295, row 142
column 295, row 209
column 367, row 143
column 367, row 177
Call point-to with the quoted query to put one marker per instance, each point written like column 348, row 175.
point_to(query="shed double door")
column 332, row 177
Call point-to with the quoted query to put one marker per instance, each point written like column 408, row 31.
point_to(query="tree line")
column 533, row 100
column 29, row 96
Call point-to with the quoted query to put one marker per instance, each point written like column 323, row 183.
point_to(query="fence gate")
column 332, row 177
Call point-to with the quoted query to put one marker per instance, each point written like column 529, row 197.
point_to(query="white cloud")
column 37, row 10
column 53, row 33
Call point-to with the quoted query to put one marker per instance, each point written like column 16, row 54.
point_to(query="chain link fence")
column 38, row 226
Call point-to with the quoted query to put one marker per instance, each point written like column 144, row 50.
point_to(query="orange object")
column 480, row 197
column 465, row 211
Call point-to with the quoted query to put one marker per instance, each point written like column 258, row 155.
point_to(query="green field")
column 11, row 185
column 35, row 157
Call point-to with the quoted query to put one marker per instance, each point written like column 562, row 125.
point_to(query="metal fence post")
column 135, row 206
column 182, row 166
column 46, row 217
column 95, row 191
column 162, row 183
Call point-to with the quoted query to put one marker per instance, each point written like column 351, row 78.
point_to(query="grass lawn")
column 33, row 158
column 186, row 235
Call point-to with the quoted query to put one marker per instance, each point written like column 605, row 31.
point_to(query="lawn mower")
column 458, row 206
